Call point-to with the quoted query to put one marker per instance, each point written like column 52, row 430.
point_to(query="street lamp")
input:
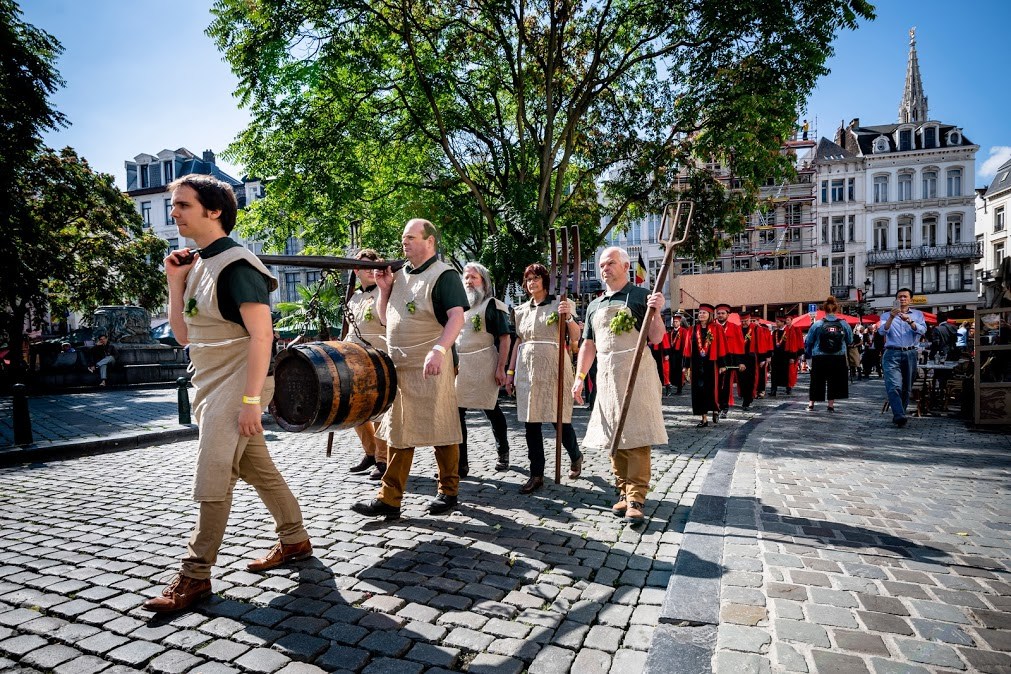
column 862, row 304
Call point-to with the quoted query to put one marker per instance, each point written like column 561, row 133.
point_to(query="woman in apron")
column 537, row 353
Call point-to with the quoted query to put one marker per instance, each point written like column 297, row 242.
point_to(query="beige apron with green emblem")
column 537, row 402
column 644, row 424
column 219, row 350
column 476, row 388
column 424, row 413
column 363, row 307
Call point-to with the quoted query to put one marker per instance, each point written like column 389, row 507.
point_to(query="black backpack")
column 832, row 336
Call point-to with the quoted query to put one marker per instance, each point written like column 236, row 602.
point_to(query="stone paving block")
column 222, row 649
column 742, row 614
column 415, row 611
column 135, row 653
column 50, row 657
column 992, row 619
column 552, row 660
column 434, row 656
column 100, row 643
column 343, row 657
column 298, row 646
column 820, row 595
column 638, row 637
column 505, row 628
column 745, row 595
column 999, row 640
column 787, row 591
column 925, row 652
column 986, row 661
column 795, row 630
column 390, row 666
column 830, row 615
column 883, row 622
column 730, row 662
column 937, row 611
column 86, row 664
column 71, row 633
column 43, row 626
column 388, row 644
column 939, row 631
column 589, row 661
column 829, row 662
column 421, row 631
column 741, row 638
column 788, row 658
column 174, row 662
column 882, row 604
column 300, row 668
column 262, row 660
column 861, row 642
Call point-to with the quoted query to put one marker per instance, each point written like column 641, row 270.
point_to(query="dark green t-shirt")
column 447, row 293
column 238, row 283
column 636, row 302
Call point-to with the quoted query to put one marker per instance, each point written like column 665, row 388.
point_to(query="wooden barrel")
column 323, row 386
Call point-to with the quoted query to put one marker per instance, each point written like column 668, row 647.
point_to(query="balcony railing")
column 840, row 292
column 838, row 246
column 957, row 251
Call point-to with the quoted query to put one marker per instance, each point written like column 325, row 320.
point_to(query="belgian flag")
column 641, row 275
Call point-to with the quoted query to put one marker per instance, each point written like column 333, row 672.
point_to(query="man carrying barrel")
column 483, row 346
column 423, row 308
column 219, row 305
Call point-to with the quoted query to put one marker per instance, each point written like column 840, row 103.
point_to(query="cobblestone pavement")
column 94, row 415
column 550, row 582
column 852, row 546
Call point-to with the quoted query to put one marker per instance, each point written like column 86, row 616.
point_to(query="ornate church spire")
column 913, row 108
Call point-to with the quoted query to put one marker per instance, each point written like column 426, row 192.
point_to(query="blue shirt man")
column 902, row 329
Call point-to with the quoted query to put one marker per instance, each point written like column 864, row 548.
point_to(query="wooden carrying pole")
column 562, row 266
column 669, row 226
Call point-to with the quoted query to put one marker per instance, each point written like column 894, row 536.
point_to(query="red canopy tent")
column 804, row 320
column 871, row 319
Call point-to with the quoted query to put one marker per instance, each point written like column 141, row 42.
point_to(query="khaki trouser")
column 255, row 467
column 399, row 467
column 372, row 445
column 631, row 472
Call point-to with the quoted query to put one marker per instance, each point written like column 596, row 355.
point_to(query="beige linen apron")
column 644, row 424
column 476, row 388
column 537, row 402
column 363, row 306
column 424, row 413
column 219, row 350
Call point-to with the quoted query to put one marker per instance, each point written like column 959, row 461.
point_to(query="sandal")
column 702, row 424
column 810, row 407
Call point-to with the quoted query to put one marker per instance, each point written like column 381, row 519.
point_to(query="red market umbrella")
column 871, row 319
column 804, row 320
column 931, row 319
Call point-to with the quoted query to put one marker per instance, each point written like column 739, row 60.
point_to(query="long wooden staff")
column 562, row 269
column 683, row 211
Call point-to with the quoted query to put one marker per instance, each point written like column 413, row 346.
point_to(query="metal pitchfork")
column 562, row 266
column 669, row 225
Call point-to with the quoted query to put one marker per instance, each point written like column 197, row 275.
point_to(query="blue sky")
column 142, row 76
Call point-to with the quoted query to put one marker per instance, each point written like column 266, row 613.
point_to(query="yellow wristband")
column 510, row 372
column 440, row 348
column 250, row 400
column 582, row 376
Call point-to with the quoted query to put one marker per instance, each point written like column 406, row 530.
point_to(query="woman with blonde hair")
column 825, row 346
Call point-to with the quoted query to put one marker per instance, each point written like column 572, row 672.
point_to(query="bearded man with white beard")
column 483, row 349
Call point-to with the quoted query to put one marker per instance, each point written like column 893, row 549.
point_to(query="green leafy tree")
column 78, row 243
column 318, row 311
column 499, row 120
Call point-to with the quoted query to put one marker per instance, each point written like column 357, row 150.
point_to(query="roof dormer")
column 880, row 145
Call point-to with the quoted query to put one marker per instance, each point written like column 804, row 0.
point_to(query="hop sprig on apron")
column 476, row 322
column 368, row 313
column 552, row 318
column 622, row 322
column 191, row 307
column 411, row 307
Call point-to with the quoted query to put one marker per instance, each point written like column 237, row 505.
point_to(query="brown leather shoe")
column 576, row 469
column 532, row 485
column 634, row 514
column 619, row 508
column 282, row 554
column 180, row 594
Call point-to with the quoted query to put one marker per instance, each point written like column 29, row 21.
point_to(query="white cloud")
column 999, row 154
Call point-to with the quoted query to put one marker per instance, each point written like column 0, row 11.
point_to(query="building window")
column 880, row 189
column 145, row 212
column 954, row 138
column 173, row 244
column 794, row 213
column 851, row 189
column 824, row 191
column 930, row 230
column 905, row 140
column 837, row 228
column 742, row 264
column 169, row 220
column 906, row 277
column 930, row 279
column 998, row 254
column 929, row 138
column 145, row 175
column 654, row 227
column 291, row 246
column 824, row 230
column 166, row 169
column 881, row 235
column 905, row 187
column 851, row 226
column 311, row 278
column 291, row 280
column 838, row 271
column 955, row 228
column 998, row 219
column 930, row 184
column 880, row 286
column 837, row 190
column 851, row 266
column 905, row 233
column 955, row 182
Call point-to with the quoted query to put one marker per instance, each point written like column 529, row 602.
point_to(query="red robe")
column 716, row 352
column 677, row 349
column 735, row 354
column 660, row 350
column 757, row 346
column 794, row 344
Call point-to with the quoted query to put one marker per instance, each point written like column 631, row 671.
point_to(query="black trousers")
column 498, row 429
column 831, row 372
column 535, row 446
